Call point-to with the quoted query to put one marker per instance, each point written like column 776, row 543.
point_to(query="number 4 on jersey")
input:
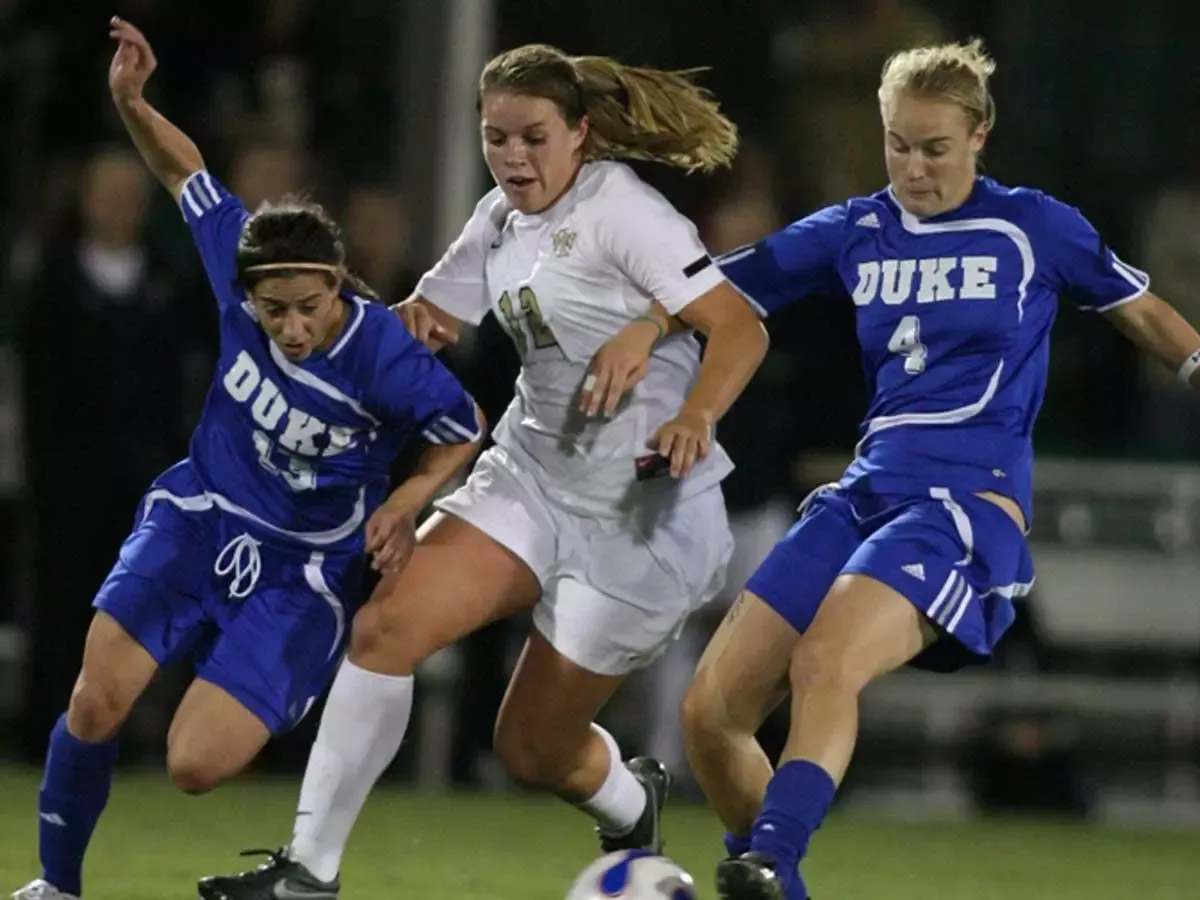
column 906, row 341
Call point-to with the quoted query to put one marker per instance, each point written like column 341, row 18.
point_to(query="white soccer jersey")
column 562, row 283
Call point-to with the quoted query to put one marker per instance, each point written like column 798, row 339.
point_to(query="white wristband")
column 1190, row 365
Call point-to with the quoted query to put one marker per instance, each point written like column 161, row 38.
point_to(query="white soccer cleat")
column 41, row 890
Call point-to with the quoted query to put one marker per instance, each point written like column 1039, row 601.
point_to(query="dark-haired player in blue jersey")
column 916, row 554
column 248, row 556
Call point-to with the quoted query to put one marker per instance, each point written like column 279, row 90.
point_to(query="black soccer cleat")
column 647, row 833
column 279, row 878
column 751, row 876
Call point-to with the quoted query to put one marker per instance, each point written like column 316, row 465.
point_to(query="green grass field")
column 153, row 843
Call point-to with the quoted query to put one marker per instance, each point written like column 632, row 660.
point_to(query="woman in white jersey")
column 588, row 269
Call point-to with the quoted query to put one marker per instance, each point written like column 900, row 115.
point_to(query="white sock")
column 361, row 730
column 621, row 800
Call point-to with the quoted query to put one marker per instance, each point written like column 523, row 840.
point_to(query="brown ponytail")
column 633, row 112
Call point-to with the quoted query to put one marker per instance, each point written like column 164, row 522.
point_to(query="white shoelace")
column 241, row 558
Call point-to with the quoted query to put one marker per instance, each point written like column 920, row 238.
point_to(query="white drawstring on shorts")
column 241, row 557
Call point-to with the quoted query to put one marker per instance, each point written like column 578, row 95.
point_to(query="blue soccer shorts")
column 266, row 620
column 957, row 558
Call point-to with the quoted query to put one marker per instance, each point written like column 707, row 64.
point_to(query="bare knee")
column 531, row 757
column 382, row 641
column 203, row 756
column 212, row 738
column 521, row 754
column 115, row 671
column 193, row 771
column 702, row 712
column 97, row 709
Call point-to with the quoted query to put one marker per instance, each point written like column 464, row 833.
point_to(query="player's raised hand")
column 617, row 367
column 422, row 325
column 133, row 62
column 685, row 440
column 391, row 537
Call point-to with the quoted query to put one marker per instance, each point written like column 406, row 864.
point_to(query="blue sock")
column 736, row 844
column 798, row 797
column 74, row 792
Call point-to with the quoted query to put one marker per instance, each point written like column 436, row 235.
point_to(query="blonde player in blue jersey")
column 915, row 556
column 247, row 556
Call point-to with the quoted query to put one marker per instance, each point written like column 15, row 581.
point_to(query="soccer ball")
column 633, row 875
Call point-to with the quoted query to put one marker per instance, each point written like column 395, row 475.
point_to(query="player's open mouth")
column 519, row 181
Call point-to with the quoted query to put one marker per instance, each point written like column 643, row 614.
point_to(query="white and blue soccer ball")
column 633, row 875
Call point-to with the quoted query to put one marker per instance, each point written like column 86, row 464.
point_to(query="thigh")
column 278, row 649
column 863, row 629
column 458, row 580
column 743, row 673
column 958, row 562
column 111, row 655
column 115, row 671
column 213, row 736
column 797, row 574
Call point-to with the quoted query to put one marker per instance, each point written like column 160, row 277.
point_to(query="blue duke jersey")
column 953, row 316
column 304, row 449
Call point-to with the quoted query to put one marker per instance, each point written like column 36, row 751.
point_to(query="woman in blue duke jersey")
column 247, row 556
column 915, row 556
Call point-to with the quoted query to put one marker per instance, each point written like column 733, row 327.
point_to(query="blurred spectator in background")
column 832, row 60
column 1170, row 248
column 375, row 229
column 268, row 171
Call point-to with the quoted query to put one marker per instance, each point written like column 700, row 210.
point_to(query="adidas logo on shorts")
column 916, row 570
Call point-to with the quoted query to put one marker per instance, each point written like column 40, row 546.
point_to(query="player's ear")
column 579, row 133
column 979, row 137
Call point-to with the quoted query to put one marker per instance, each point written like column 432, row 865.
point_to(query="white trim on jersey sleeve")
column 734, row 256
column 448, row 430
column 200, row 195
column 656, row 246
column 457, row 283
column 1138, row 280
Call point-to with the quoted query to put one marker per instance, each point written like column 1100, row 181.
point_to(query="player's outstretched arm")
column 624, row 360
column 168, row 152
column 1155, row 326
column 737, row 344
column 434, row 469
column 433, row 327
column 390, row 534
